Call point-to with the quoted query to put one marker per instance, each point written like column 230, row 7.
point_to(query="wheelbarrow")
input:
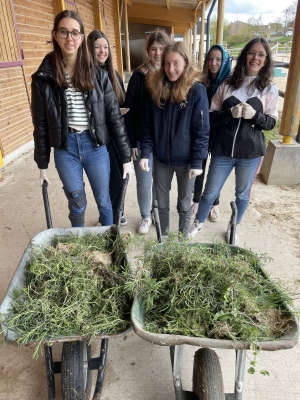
column 76, row 362
column 207, row 374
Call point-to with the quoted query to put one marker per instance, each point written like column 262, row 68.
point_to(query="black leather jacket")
column 50, row 115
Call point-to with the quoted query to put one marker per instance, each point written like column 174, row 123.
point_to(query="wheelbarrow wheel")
column 76, row 378
column 207, row 376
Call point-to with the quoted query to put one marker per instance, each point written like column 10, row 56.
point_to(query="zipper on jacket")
column 201, row 111
column 234, row 138
column 84, row 96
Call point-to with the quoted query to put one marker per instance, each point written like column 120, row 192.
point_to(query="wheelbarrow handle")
column 46, row 204
column 122, row 200
column 233, row 219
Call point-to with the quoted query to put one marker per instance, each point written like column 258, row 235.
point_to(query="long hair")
column 265, row 74
column 160, row 36
column 163, row 90
column 91, row 39
column 82, row 78
column 207, row 75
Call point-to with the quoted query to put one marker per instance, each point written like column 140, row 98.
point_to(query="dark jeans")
column 162, row 177
column 115, row 181
column 198, row 189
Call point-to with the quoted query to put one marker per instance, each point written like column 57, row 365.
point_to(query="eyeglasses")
column 255, row 53
column 63, row 34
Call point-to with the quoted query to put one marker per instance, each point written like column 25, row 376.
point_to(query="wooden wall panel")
column 110, row 29
column 15, row 118
column 34, row 21
column 85, row 10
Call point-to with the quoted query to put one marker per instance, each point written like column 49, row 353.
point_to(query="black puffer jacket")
column 50, row 115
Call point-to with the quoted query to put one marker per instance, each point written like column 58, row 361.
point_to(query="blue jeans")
column 162, row 177
column 82, row 155
column 219, row 169
column 143, row 184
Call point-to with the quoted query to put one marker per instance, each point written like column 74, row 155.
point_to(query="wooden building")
column 25, row 32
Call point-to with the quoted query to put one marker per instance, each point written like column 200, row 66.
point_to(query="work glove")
column 237, row 110
column 248, row 111
column 195, row 172
column 44, row 177
column 135, row 153
column 144, row 164
column 124, row 110
column 127, row 169
column 194, row 208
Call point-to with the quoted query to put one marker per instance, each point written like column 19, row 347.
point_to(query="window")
column 10, row 52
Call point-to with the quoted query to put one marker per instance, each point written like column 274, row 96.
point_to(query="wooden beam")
column 97, row 15
column 118, row 37
column 159, row 22
column 168, row 4
column 129, row 2
column 150, row 11
column 126, row 36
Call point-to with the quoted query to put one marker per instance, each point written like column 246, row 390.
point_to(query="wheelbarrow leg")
column 101, row 369
column 50, row 372
column 176, row 353
column 240, row 365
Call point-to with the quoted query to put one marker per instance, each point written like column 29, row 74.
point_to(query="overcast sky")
column 240, row 10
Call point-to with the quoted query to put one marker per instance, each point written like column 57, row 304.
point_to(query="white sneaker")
column 195, row 228
column 228, row 232
column 144, row 225
column 214, row 214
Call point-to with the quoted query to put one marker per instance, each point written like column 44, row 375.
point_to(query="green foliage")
column 74, row 288
column 215, row 291
column 273, row 134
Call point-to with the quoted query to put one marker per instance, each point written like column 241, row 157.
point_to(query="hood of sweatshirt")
column 225, row 69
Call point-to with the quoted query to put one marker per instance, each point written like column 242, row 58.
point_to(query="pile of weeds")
column 75, row 287
column 214, row 291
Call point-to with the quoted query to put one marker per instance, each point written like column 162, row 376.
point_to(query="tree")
column 276, row 26
column 289, row 15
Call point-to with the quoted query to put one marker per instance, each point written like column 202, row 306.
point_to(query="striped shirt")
column 76, row 110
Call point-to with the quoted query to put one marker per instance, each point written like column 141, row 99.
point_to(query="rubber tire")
column 76, row 378
column 207, row 376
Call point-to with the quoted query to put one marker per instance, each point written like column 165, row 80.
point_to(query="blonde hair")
column 176, row 92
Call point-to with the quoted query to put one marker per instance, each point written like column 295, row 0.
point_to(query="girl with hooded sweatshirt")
column 217, row 67
column 176, row 130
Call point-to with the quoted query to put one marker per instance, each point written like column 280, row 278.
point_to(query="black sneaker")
column 124, row 221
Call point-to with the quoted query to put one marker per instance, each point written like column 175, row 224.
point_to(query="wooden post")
column 220, row 21
column 118, row 38
column 201, row 42
column 126, row 34
column 291, row 107
column 58, row 5
column 97, row 15
column 195, row 42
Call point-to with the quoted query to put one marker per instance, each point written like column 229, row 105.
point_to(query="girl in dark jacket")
column 101, row 54
column 245, row 104
column 216, row 67
column 75, row 111
column 176, row 129
column 156, row 43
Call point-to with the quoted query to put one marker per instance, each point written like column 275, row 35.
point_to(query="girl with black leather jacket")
column 75, row 111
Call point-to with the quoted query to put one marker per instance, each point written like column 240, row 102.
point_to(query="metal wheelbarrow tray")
column 207, row 375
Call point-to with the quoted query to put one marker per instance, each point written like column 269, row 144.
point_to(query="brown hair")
column 265, row 74
column 160, row 36
column 175, row 92
column 83, row 77
column 112, row 74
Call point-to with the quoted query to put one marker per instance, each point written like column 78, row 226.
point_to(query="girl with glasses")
column 68, row 114
column 245, row 104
